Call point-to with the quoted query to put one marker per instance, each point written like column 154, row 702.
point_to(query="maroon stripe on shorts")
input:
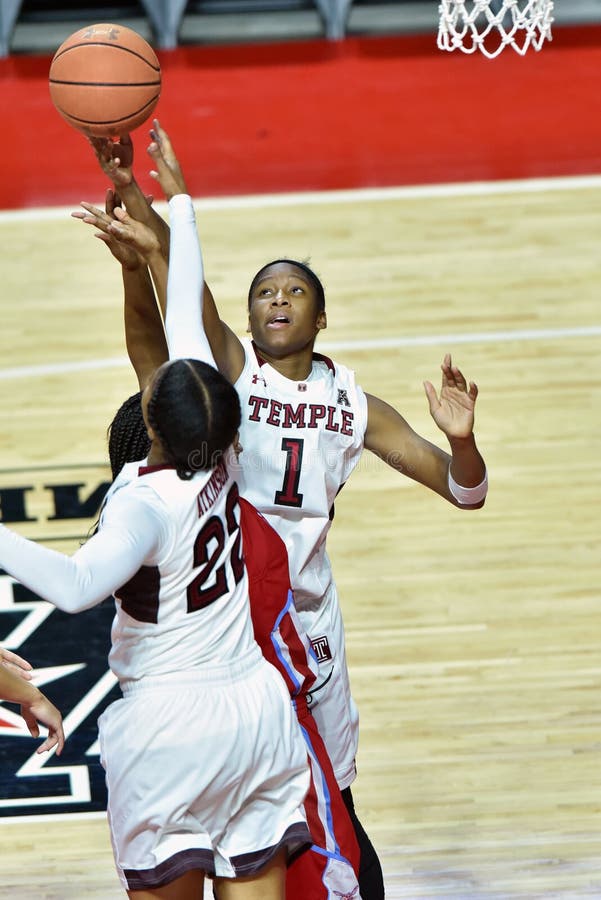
column 170, row 869
column 296, row 839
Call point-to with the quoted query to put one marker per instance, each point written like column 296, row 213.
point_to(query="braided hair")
column 195, row 413
column 309, row 274
column 127, row 436
column 127, row 439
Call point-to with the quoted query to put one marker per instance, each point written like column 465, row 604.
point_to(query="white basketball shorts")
column 205, row 769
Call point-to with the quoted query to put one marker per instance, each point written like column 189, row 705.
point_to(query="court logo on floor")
column 53, row 503
column 57, row 507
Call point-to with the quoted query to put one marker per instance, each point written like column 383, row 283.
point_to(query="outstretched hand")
column 136, row 235
column 124, row 252
column 453, row 411
column 42, row 710
column 168, row 171
column 116, row 158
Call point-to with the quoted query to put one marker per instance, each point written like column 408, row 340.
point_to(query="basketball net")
column 491, row 25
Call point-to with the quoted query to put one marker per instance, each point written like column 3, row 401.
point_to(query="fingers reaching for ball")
column 168, row 171
column 124, row 253
column 135, row 234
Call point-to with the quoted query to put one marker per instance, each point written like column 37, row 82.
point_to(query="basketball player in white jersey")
column 206, row 768
column 305, row 422
column 329, row 868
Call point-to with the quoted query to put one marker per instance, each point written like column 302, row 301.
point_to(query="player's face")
column 283, row 315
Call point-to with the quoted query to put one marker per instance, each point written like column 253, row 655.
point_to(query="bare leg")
column 268, row 884
column 187, row 887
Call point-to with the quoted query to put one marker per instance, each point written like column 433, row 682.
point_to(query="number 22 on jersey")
column 208, row 549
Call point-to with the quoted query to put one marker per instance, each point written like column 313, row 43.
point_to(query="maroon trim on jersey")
column 139, row 596
column 317, row 357
column 259, row 358
column 145, row 470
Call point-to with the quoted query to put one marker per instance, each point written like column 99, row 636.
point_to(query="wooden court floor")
column 472, row 637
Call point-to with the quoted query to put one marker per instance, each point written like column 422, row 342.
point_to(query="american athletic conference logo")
column 69, row 653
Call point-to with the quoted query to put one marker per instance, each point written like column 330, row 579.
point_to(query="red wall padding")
column 321, row 115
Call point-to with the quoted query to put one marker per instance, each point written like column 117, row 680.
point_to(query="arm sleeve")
column 186, row 336
column 131, row 533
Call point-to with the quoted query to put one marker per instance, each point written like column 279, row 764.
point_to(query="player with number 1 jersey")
column 302, row 440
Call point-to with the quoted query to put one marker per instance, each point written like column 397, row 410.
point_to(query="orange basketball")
column 105, row 80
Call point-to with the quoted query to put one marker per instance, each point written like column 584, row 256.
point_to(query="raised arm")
column 458, row 476
column 35, row 707
column 116, row 159
column 183, row 319
column 226, row 348
column 130, row 534
column 144, row 332
column 185, row 282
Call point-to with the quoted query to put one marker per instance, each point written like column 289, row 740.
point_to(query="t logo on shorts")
column 321, row 649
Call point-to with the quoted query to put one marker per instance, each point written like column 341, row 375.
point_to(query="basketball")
column 105, row 80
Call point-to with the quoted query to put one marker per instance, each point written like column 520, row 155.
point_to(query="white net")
column 489, row 26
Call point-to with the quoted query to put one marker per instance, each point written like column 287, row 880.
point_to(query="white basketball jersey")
column 188, row 606
column 300, row 442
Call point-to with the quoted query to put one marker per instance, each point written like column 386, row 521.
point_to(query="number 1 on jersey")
column 289, row 494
